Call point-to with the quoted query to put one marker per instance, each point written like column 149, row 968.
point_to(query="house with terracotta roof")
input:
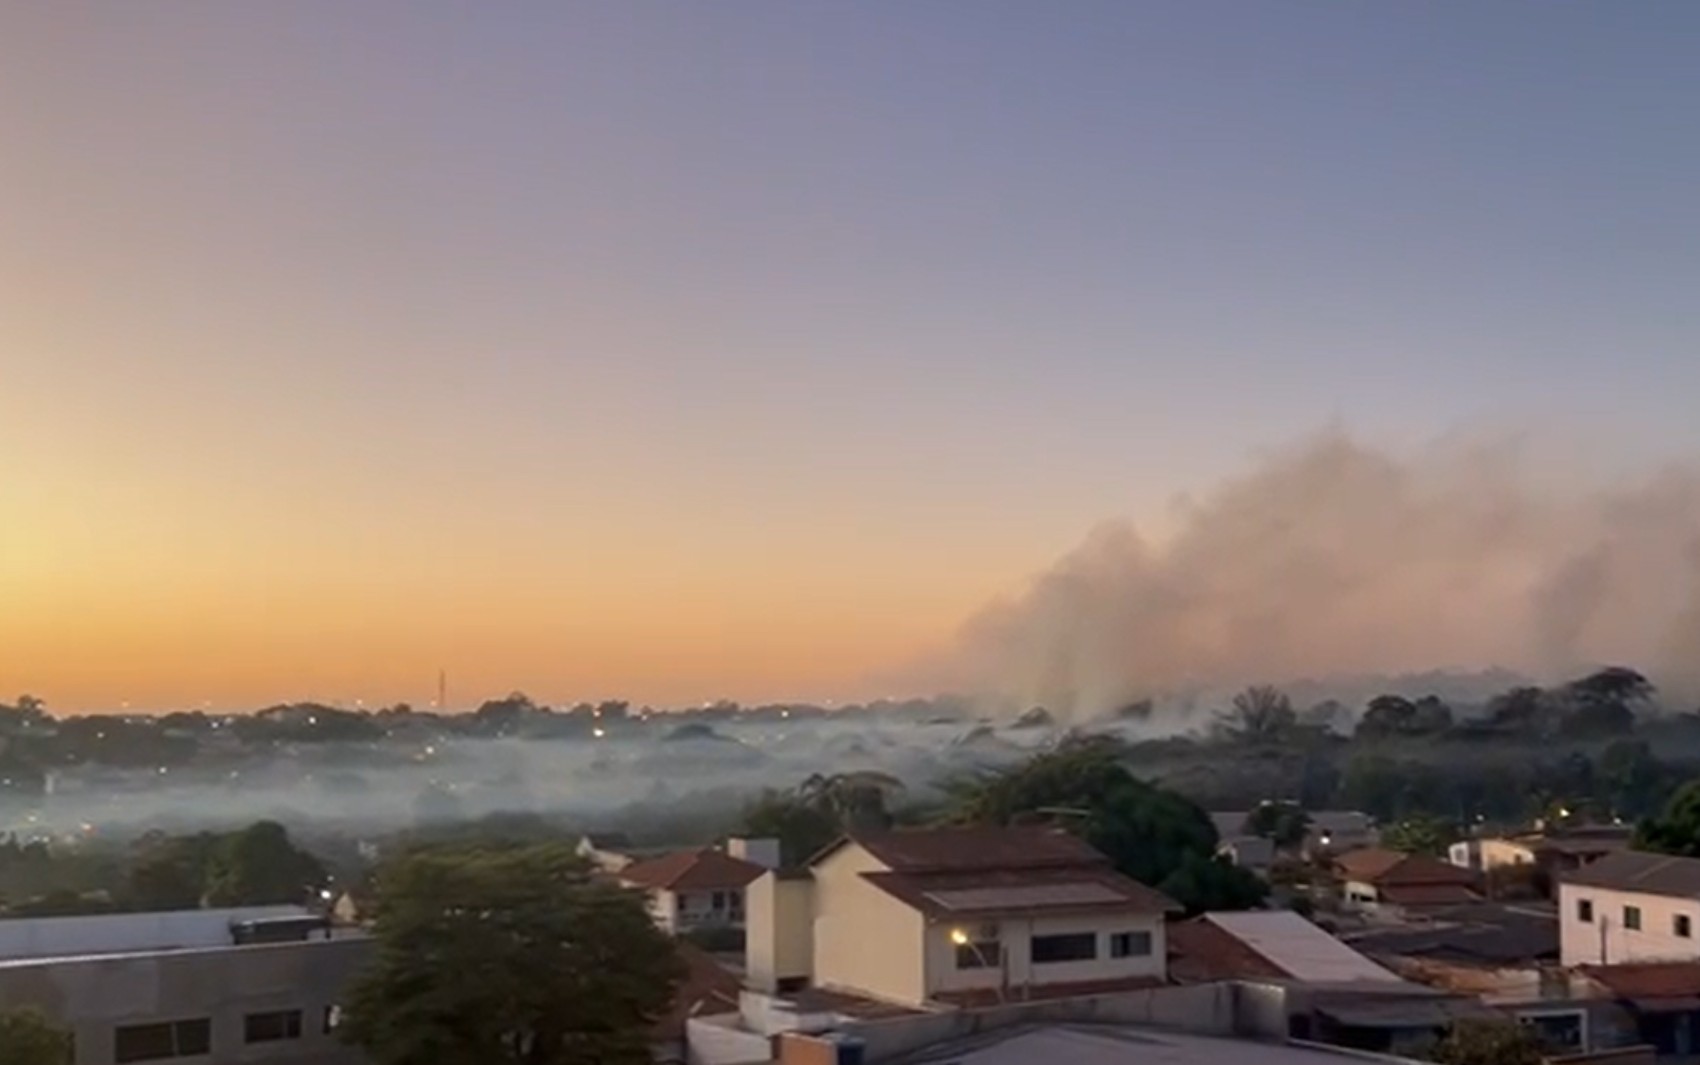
column 1392, row 882
column 956, row 916
column 1265, row 945
column 695, row 889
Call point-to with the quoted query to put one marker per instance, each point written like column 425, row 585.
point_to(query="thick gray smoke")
column 1336, row 559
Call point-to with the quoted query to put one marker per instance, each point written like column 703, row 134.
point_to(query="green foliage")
column 1282, row 823
column 1488, row 1042
column 260, row 866
column 508, row 957
column 819, row 810
column 1419, row 835
column 1676, row 830
column 28, row 1037
column 1151, row 834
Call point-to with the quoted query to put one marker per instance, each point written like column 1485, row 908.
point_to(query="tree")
column 858, row 801
column 170, row 872
column 1475, row 1041
column 1151, row 834
column 1676, row 830
column 1603, row 703
column 1631, row 778
column 508, row 957
column 1260, row 714
column 1395, row 715
column 260, row 866
column 1282, row 823
column 802, row 829
column 1418, row 835
column 27, row 1037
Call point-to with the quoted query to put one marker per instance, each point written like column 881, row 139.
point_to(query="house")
column 955, row 915
column 1630, row 907
column 696, row 889
column 1551, row 852
column 1660, row 1001
column 1388, row 882
column 1264, row 944
column 1491, row 949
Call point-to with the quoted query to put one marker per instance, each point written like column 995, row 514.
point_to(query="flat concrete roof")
column 1107, row 1045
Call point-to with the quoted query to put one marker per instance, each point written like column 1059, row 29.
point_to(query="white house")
column 1630, row 907
column 704, row 888
column 946, row 916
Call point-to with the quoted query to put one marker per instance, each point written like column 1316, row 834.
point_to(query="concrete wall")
column 1605, row 940
column 778, row 931
column 719, row 1041
column 94, row 996
column 865, row 940
column 1015, row 939
column 1210, row 1009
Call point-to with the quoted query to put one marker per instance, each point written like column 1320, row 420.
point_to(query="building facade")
column 1630, row 907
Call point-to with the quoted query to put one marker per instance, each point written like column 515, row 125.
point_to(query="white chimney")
column 762, row 852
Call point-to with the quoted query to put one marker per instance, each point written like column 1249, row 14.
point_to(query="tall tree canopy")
column 509, row 957
column 28, row 1037
column 260, row 866
column 1151, row 834
column 1676, row 830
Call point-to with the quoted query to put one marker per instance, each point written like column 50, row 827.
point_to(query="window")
column 987, row 954
column 1130, row 945
column 1681, row 925
column 156, row 1042
column 718, row 900
column 1585, row 910
column 1050, row 949
column 682, row 901
column 1632, row 918
column 274, row 1027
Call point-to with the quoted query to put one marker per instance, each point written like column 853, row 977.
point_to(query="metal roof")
column 1298, row 947
column 1651, row 874
column 126, row 933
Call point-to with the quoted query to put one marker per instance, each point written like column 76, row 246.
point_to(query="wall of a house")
column 1606, row 940
column 778, row 931
column 865, row 940
column 1015, row 937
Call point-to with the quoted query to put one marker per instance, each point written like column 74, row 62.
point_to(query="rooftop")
column 1114, row 1045
column 978, row 848
column 130, row 933
column 698, row 870
column 1001, row 891
column 1652, row 874
column 1271, row 943
column 1373, row 865
column 708, row 988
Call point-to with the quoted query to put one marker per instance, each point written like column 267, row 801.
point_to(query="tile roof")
column 698, row 870
column 1427, row 894
column 965, row 849
column 708, row 988
column 1059, row 890
column 1652, row 874
column 1647, row 979
column 1482, row 934
column 1373, row 865
column 1202, row 952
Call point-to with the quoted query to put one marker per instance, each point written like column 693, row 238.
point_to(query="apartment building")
column 961, row 915
column 229, row 987
column 1630, row 907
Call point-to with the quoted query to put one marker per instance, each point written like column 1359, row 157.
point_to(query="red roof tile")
column 1201, row 952
column 1372, row 865
column 699, row 870
column 965, row 849
column 1083, row 888
column 1647, row 979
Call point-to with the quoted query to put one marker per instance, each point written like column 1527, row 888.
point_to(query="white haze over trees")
column 1334, row 560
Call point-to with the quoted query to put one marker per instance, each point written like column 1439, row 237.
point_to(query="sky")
column 680, row 351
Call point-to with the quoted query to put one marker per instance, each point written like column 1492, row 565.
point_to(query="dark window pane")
column 1080, row 947
column 143, row 1042
column 271, row 1027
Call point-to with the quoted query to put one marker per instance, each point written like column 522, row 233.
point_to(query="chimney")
column 763, row 852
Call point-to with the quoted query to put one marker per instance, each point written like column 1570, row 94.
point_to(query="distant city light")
column 598, row 732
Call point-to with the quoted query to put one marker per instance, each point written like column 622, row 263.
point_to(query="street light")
column 962, row 939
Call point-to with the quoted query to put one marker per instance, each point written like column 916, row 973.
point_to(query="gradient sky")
column 684, row 350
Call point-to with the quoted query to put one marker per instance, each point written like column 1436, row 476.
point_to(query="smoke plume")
column 1337, row 559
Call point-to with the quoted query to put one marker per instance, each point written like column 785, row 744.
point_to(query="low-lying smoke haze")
column 1335, row 558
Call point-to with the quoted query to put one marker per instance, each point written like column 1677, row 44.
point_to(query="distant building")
column 1630, row 907
column 690, row 890
column 956, row 915
column 1330, row 831
column 1251, row 853
column 1550, row 852
column 1391, row 883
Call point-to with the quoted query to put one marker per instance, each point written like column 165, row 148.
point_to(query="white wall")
column 778, row 931
column 1015, row 936
column 1606, row 941
column 865, row 940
